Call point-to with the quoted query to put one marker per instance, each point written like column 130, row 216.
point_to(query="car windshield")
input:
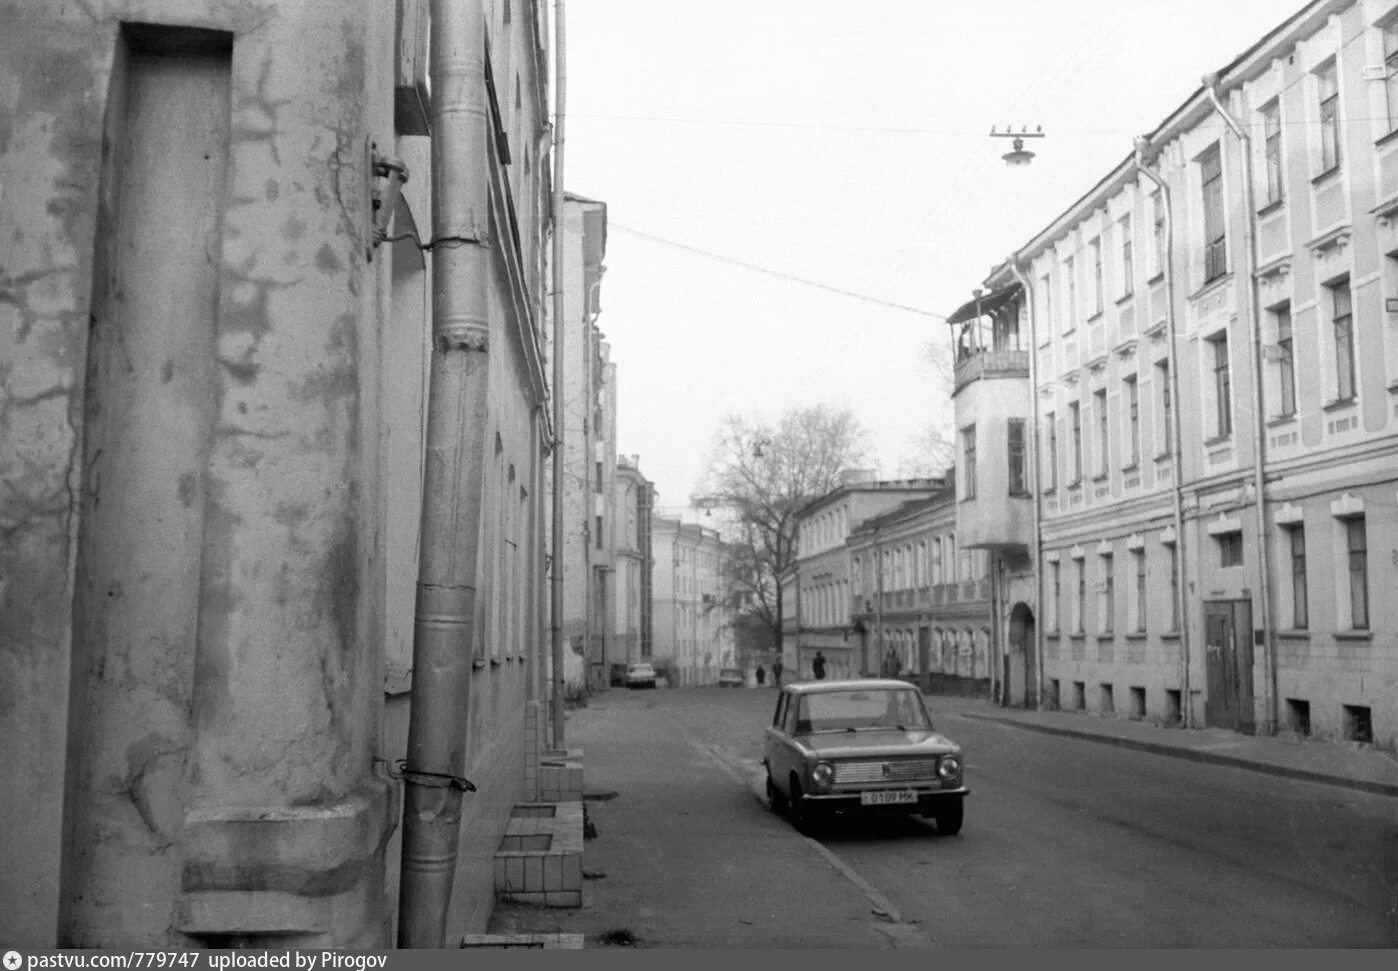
column 853, row 710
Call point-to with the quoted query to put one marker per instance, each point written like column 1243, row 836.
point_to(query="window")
column 1133, row 420
column 1099, row 401
column 599, row 532
column 1052, row 470
column 1215, row 242
column 1080, row 604
column 1164, row 432
column 1300, row 615
column 1075, row 414
column 968, row 454
column 1107, row 602
column 1230, row 549
column 1055, row 600
column 1095, row 247
column 1390, row 70
column 1072, row 283
column 1158, row 209
column 1285, row 362
column 1343, row 324
column 1173, row 550
column 1329, row 117
column 1357, row 548
column 1015, row 436
column 1128, row 275
column 1223, row 395
column 937, row 560
column 1271, row 150
column 1138, row 617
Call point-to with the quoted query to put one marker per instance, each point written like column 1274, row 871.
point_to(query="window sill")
column 1386, row 139
column 1339, row 404
column 1075, row 484
column 1133, row 467
column 1212, row 283
column 1125, row 297
column 1163, row 456
column 1101, row 477
column 1096, row 318
column 1052, row 635
column 1079, row 636
column 1223, row 439
column 1158, row 278
column 1281, row 420
column 477, row 663
column 1295, row 634
column 1138, row 635
column 1354, row 635
column 1170, row 635
column 1021, row 494
column 1271, row 207
column 1325, row 176
column 1106, row 635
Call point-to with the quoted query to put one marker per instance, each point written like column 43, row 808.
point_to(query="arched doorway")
column 1019, row 658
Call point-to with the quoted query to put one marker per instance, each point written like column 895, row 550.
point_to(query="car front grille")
column 905, row 770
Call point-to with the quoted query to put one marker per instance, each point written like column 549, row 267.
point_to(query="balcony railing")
column 1000, row 363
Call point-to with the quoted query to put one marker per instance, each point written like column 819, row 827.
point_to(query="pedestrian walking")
column 818, row 666
column 777, row 672
column 761, row 676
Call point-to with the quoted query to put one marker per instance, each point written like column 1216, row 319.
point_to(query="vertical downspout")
column 559, row 227
column 1259, row 429
column 994, row 672
column 1036, row 546
column 458, row 399
column 1177, row 459
column 878, row 606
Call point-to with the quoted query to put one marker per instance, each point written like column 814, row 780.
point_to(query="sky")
column 846, row 145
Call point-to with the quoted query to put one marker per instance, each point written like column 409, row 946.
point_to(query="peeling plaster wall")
column 271, row 689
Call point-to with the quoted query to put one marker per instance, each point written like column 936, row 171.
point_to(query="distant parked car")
column 640, row 675
column 861, row 746
column 731, row 678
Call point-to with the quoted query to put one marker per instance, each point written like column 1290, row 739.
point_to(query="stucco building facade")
column 632, row 560
column 216, row 323
column 1212, row 382
column 692, row 625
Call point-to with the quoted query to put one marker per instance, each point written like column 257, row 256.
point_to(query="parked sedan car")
column 640, row 675
column 860, row 746
column 731, row 678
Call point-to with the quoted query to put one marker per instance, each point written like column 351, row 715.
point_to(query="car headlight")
column 949, row 767
column 823, row 774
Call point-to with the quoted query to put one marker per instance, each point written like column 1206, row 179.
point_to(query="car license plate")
column 887, row 797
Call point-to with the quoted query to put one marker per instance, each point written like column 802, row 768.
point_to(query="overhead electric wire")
column 776, row 273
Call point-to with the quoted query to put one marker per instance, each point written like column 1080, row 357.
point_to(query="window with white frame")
column 1163, row 419
column 1070, row 278
column 1215, row 219
column 1297, row 589
column 1138, row 596
column 1157, row 205
column 1099, row 405
column 1050, row 477
column 1095, row 251
column 1354, row 574
column 1046, row 288
column 1131, row 393
column 1221, row 385
column 1128, row 269
column 1075, row 419
column 1272, row 151
column 937, row 560
column 1328, row 92
column 1283, row 362
column 968, row 456
column 1055, row 596
column 1106, row 594
column 922, row 564
column 1172, row 610
column 1018, row 468
column 1080, row 597
column 1342, row 335
column 1390, row 70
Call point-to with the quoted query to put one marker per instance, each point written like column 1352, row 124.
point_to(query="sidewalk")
column 1346, row 764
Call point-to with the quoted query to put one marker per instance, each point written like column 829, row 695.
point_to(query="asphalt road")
column 1066, row 844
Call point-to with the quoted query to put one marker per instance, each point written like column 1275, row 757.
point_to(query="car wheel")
column 775, row 800
column 800, row 813
column 949, row 816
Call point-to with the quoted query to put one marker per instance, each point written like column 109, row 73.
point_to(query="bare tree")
column 766, row 475
column 929, row 453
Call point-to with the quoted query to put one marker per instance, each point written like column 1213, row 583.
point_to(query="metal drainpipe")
column 878, row 604
column 457, row 411
column 1036, row 547
column 559, row 434
column 1259, row 431
column 1177, row 458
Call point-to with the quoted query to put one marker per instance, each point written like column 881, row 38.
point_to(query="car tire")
column 775, row 800
column 797, row 810
column 949, row 816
